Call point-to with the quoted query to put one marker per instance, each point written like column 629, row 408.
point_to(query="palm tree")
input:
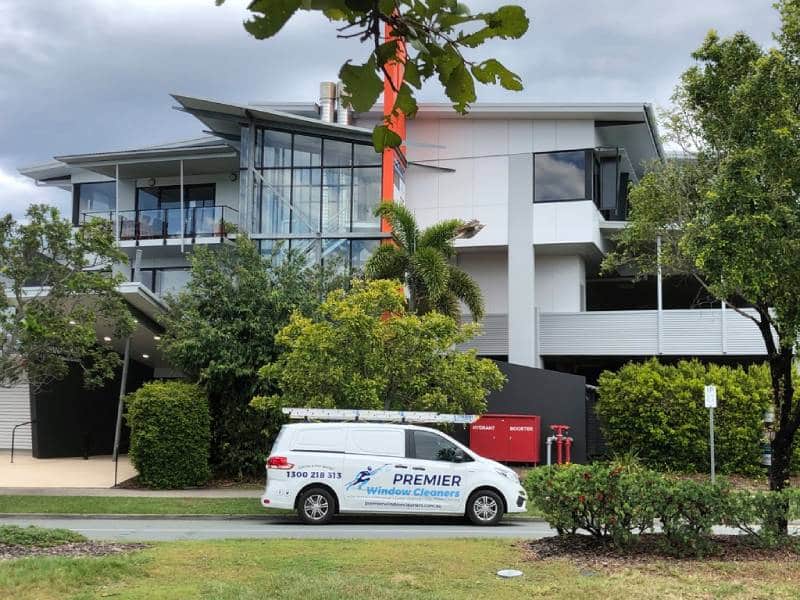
column 422, row 260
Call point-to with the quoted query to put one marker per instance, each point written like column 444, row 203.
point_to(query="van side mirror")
column 460, row 456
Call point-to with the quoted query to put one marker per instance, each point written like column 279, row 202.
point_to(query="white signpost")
column 711, row 404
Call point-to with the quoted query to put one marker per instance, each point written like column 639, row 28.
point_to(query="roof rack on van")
column 381, row 416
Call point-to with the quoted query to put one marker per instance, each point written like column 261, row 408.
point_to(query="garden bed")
column 74, row 549
column 588, row 552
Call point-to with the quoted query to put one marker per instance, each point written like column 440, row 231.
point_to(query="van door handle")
column 401, row 466
column 419, row 468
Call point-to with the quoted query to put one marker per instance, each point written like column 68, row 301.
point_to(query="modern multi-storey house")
column 548, row 182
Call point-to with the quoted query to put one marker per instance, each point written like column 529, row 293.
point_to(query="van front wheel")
column 315, row 506
column 485, row 507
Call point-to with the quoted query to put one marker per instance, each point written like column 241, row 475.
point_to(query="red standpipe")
column 563, row 443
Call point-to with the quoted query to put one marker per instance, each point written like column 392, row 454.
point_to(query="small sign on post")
column 711, row 403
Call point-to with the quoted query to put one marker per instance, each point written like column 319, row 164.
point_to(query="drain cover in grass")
column 509, row 573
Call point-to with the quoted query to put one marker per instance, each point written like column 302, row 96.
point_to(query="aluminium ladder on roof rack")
column 379, row 416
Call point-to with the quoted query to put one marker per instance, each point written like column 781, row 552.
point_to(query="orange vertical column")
column 394, row 159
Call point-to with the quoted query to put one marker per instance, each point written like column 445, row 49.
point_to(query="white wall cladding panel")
column 574, row 134
column 490, row 137
column 15, row 408
column 598, row 333
column 635, row 333
column 695, row 331
column 520, row 137
column 493, row 340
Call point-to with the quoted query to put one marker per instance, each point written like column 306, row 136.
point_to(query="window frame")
column 186, row 187
column 411, row 446
column 259, row 154
column 588, row 176
column 76, row 199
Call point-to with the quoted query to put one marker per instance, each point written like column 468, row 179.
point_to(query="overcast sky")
column 93, row 75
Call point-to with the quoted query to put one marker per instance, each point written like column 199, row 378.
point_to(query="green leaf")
column 362, row 85
column 405, row 102
column 460, row 88
column 492, row 71
column 412, row 75
column 507, row 22
column 274, row 15
column 383, row 137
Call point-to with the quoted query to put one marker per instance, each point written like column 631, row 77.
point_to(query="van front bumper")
column 519, row 502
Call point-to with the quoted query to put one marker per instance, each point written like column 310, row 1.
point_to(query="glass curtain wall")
column 317, row 195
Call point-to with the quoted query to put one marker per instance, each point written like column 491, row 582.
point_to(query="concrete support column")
column 522, row 330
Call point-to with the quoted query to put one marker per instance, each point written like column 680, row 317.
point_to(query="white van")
column 320, row 469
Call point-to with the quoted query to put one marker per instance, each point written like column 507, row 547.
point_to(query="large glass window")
column 276, row 192
column 316, row 185
column 336, row 187
column 93, row 200
column 560, row 176
column 366, row 197
column 361, row 251
column 306, row 198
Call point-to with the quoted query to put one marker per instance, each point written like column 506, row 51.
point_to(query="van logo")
column 363, row 477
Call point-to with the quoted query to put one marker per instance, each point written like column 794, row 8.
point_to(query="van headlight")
column 508, row 474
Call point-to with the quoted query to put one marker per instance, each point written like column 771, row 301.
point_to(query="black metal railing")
column 14, row 436
column 163, row 223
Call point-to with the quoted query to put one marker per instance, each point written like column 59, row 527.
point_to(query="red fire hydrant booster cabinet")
column 507, row 438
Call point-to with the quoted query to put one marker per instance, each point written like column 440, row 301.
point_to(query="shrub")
column 611, row 501
column 616, row 502
column 687, row 511
column 170, row 434
column 758, row 514
column 657, row 411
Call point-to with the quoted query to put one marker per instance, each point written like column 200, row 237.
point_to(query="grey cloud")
column 91, row 75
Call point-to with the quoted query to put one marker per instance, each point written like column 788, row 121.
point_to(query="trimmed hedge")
column 616, row 502
column 656, row 412
column 170, row 434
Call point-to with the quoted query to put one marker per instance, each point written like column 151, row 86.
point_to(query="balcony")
column 197, row 223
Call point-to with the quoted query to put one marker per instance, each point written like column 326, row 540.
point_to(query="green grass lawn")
column 376, row 569
column 126, row 505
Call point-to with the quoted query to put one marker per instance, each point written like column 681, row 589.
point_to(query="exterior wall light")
column 234, row 176
column 157, row 337
column 145, row 356
column 469, row 229
column 106, row 338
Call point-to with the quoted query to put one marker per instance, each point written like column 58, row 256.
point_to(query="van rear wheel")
column 485, row 507
column 316, row 506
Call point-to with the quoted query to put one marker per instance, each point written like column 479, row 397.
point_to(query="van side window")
column 377, row 441
column 430, row 446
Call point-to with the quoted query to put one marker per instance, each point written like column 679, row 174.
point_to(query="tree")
column 440, row 36
column 730, row 216
column 58, row 287
column 422, row 261
column 364, row 351
column 221, row 329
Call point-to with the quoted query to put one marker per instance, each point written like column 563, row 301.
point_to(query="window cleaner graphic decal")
column 363, row 477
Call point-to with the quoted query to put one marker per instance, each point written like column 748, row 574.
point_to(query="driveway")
column 163, row 529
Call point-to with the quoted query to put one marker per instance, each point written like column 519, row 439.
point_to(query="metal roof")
column 225, row 119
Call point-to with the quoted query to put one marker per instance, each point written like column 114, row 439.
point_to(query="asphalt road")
column 148, row 529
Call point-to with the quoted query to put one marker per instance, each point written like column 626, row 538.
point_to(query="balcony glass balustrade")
column 166, row 223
